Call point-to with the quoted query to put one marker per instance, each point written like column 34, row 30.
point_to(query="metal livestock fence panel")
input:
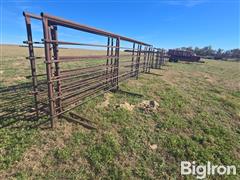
column 159, row 56
column 70, row 81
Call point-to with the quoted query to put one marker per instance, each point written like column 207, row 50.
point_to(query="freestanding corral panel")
column 72, row 80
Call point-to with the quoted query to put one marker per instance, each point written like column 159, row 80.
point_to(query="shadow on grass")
column 129, row 93
column 167, row 65
column 191, row 62
column 17, row 107
column 155, row 74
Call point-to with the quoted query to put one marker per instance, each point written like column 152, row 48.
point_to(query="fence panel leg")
column 57, row 69
column 49, row 70
column 32, row 63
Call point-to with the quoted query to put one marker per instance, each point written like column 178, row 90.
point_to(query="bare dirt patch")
column 19, row 78
column 126, row 106
column 107, row 98
column 209, row 78
column 148, row 106
column 153, row 146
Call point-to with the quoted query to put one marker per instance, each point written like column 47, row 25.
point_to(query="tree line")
column 209, row 52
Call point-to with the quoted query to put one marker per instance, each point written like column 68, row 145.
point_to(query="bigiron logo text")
column 202, row 171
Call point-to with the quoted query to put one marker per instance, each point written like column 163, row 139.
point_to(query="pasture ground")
column 198, row 119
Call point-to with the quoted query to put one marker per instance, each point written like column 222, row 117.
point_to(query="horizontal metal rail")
column 66, row 23
column 73, row 80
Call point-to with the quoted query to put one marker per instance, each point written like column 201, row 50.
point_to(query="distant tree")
column 219, row 51
column 227, row 54
column 198, row 51
column 235, row 53
column 183, row 48
column 189, row 48
column 208, row 51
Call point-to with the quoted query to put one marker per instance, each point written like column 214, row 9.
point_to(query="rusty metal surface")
column 66, row 23
column 159, row 58
column 73, row 80
column 182, row 55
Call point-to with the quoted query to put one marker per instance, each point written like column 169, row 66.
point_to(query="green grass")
column 14, row 144
column 197, row 120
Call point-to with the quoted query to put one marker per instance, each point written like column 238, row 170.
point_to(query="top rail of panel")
column 66, row 23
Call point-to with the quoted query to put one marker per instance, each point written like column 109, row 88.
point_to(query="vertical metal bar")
column 151, row 58
column 32, row 62
column 107, row 63
column 48, row 69
column 111, row 62
column 138, row 60
column 135, row 73
column 164, row 56
column 140, row 57
column 57, row 68
column 133, row 51
column 114, row 64
column 115, row 70
column 117, row 60
column 161, row 58
column 148, row 58
column 145, row 58
column 156, row 59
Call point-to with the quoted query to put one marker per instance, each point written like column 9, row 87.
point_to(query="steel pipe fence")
column 159, row 58
column 70, row 81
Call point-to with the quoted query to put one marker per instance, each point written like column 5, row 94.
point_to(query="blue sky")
column 167, row 24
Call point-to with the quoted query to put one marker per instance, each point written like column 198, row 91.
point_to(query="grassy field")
column 198, row 119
